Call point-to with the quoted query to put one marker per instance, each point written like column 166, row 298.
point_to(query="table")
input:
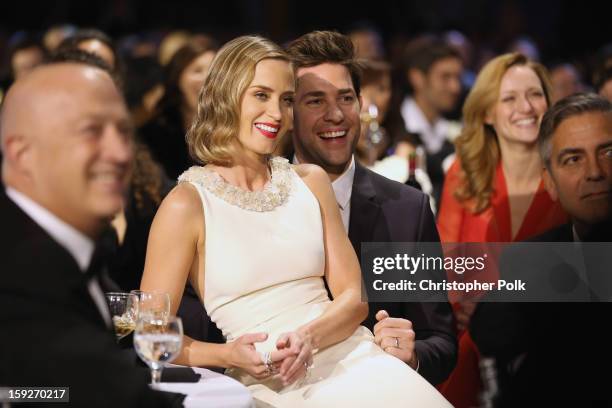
column 213, row 390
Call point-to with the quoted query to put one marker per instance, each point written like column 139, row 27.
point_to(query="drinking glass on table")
column 123, row 309
column 158, row 341
column 155, row 303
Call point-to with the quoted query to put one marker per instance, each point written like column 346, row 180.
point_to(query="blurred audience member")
column 142, row 86
column 603, row 82
column 602, row 71
column 367, row 41
column 497, row 159
column 148, row 186
column 376, row 96
column 95, row 42
column 170, row 44
column 55, row 35
column 494, row 192
column 165, row 133
column 25, row 52
column 433, row 70
column 526, row 46
column 604, row 56
column 384, row 147
column 565, row 81
column 138, row 45
column 465, row 48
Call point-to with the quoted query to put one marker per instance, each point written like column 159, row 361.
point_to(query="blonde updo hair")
column 215, row 128
column 477, row 146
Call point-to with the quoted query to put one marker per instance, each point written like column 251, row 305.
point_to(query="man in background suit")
column 373, row 208
column 556, row 351
column 66, row 140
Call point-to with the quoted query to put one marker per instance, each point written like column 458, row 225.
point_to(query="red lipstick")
column 269, row 130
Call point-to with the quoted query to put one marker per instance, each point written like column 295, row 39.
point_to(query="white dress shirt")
column 76, row 243
column 343, row 188
column 432, row 135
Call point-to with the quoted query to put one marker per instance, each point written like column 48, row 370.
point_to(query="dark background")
column 568, row 30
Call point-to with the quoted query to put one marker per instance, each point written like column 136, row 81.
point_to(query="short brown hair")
column 423, row 52
column 570, row 106
column 320, row 47
column 373, row 71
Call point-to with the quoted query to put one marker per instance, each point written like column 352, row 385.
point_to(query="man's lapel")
column 61, row 273
column 365, row 210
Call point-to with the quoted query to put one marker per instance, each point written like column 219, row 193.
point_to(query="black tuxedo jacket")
column 52, row 332
column 548, row 354
column 383, row 210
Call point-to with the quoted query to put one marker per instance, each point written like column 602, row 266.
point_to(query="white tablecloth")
column 213, row 390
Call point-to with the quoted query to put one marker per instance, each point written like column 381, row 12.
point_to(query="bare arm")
column 174, row 251
column 342, row 270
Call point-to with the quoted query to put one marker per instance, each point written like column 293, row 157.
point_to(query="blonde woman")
column 494, row 191
column 256, row 236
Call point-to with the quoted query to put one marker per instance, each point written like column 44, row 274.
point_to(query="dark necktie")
column 101, row 259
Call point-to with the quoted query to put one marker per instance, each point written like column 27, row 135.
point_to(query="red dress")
column 458, row 224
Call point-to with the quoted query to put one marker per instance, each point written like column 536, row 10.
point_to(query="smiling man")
column 373, row 208
column 66, row 138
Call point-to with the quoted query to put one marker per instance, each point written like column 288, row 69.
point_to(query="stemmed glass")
column 374, row 133
column 157, row 342
column 123, row 308
column 155, row 303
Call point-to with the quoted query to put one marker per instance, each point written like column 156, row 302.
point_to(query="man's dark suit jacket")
column 52, row 333
column 548, row 354
column 383, row 210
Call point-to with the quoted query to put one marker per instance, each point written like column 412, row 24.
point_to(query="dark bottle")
column 412, row 165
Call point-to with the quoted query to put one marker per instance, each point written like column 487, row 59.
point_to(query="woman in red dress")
column 494, row 192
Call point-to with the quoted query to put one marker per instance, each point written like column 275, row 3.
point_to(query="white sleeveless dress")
column 264, row 266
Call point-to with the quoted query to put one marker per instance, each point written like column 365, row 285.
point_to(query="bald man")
column 66, row 140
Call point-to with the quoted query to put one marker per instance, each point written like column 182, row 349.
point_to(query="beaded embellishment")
column 274, row 193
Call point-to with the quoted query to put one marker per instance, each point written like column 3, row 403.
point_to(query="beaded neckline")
column 274, row 194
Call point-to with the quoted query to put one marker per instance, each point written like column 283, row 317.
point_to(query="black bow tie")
column 102, row 258
column 96, row 265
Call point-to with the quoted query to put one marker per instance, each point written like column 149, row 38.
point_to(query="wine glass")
column 155, row 303
column 374, row 133
column 157, row 342
column 123, row 308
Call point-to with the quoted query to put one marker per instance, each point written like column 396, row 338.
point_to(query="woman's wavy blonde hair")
column 215, row 128
column 477, row 146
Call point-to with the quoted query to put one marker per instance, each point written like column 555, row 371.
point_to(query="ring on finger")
column 267, row 360
column 397, row 345
column 308, row 367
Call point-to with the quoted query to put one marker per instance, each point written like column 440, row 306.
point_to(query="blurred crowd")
column 413, row 89
column 430, row 118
